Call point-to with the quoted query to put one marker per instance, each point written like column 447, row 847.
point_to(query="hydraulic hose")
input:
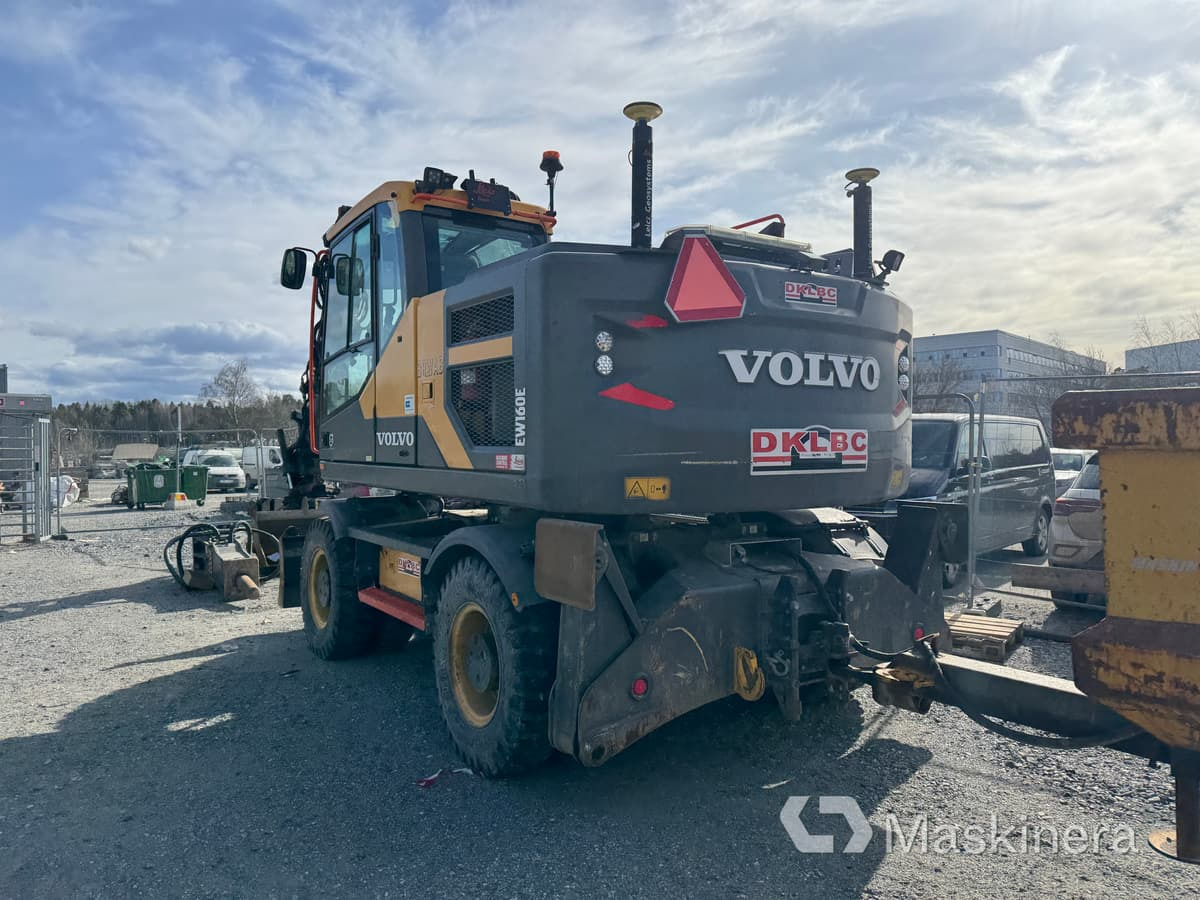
column 176, row 543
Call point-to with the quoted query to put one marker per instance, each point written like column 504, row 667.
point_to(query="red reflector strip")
column 648, row 322
column 627, row 393
column 398, row 607
column 1064, row 506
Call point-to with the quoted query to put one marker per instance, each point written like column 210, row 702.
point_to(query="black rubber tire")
column 350, row 626
column 1040, row 542
column 200, row 502
column 516, row 739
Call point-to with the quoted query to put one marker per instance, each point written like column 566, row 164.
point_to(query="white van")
column 258, row 461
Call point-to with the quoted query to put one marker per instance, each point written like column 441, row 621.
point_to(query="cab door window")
column 349, row 350
column 337, row 303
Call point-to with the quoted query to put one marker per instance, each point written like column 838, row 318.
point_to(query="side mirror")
column 295, row 265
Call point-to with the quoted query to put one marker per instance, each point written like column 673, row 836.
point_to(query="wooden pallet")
column 982, row 637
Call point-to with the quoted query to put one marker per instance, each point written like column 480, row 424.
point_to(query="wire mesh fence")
column 991, row 402
column 105, row 463
column 24, row 478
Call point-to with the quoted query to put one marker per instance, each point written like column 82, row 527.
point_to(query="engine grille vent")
column 482, row 396
column 481, row 320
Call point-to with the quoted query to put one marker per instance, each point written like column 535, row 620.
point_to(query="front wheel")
column 1039, row 543
column 336, row 623
column 495, row 667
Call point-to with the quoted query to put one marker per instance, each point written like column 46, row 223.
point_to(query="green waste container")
column 154, row 483
column 195, row 483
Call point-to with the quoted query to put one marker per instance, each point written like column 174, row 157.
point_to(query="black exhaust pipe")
column 864, row 267
column 641, row 210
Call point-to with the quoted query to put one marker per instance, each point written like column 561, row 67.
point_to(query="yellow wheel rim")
column 320, row 591
column 474, row 665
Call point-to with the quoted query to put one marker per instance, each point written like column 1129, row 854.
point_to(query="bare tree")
column 1167, row 342
column 945, row 376
column 233, row 389
column 1072, row 371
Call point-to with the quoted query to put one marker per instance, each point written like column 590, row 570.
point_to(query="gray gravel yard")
column 156, row 743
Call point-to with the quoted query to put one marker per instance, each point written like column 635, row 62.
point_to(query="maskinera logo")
column 815, row 369
column 920, row 835
column 806, row 842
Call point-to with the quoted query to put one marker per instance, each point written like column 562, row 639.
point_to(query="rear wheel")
column 495, row 667
column 336, row 624
column 1038, row 544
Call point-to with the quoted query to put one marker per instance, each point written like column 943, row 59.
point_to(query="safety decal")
column 648, row 488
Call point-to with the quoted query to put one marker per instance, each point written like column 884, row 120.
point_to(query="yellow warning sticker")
column 647, row 488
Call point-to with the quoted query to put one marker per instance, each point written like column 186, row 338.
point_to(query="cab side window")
column 337, row 303
column 391, row 272
column 360, row 287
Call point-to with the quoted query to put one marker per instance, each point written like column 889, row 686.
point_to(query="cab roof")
column 405, row 196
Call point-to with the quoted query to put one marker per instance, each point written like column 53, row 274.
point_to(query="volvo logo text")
column 395, row 438
column 817, row 369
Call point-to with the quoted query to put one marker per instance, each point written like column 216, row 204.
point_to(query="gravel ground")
column 156, row 743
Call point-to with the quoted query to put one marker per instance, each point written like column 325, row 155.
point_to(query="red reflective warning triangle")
column 702, row 287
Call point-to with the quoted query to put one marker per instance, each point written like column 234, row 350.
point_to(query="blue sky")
column 159, row 155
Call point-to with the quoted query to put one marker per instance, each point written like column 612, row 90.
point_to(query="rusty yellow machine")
column 1136, row 673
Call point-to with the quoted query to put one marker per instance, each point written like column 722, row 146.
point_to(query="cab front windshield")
column 455, row 247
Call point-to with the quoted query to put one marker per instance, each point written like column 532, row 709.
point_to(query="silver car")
column 1067, row 465
column 1077, row 528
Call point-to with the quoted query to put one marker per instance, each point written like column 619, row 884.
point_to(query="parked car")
column 224, row 473
column 1077, row 529
column 258, row 461
column 1067, row 464
column 1016, row 483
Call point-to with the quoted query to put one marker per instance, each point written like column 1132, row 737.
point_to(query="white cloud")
column 1030, row 159
column 36, row 33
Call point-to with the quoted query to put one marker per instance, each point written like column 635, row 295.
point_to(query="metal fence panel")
column 24, row 478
